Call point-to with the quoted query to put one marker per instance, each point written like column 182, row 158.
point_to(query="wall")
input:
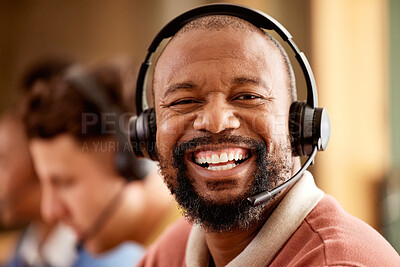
column 349, row 45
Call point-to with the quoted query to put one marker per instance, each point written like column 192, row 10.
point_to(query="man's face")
column 222, row 104
column 19, row 186
column 77, row 181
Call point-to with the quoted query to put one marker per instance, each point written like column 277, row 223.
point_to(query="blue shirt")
column 126, row 254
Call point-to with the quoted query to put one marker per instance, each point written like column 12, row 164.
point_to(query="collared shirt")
column 58, row 250
column 283, row 222
column 308, row 228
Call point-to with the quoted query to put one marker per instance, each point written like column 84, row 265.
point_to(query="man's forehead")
column 209, row 28
column 217, row 22
column 249, row 47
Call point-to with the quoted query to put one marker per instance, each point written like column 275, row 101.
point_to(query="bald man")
column 223, row 90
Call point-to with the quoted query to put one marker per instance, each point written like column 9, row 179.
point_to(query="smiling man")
column 218, row 103
column 223, row 90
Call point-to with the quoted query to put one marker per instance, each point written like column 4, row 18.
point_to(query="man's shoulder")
column 170, row 248
column 331, row 236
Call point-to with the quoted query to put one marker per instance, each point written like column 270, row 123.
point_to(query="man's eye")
column 247, row 97
column 184, row 102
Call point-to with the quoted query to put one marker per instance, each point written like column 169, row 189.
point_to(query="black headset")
column 127, row 165
column 309, row 125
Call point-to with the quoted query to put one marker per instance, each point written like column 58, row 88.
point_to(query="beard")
column 235, row 213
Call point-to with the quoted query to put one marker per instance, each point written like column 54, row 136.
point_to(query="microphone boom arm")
column 264, row 197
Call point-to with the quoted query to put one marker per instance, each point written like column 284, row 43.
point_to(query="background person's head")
column 74, row 159
column 19, row 185
column 228, row 99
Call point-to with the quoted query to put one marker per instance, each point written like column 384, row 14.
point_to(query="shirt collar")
column 57, row 250
column 282, row 223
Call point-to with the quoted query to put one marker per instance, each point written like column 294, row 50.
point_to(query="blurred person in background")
column 39, row 244
column 74, row 148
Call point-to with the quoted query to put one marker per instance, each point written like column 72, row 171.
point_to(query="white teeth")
column 215, row 158
column 223, row 158
column 214, row 168
column 221, row 167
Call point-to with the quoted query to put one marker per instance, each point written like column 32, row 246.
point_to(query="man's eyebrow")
column 248, row 80
column 178, row 86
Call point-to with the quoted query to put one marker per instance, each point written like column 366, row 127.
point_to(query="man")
column 222, row 91
column 74, row 147
column 41, row 243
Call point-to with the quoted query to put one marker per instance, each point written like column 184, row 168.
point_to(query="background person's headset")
column 309, row 125
column 127, row 165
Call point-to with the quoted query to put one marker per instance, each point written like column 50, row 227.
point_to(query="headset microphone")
column 102, row 218
column 309, row 125
column 267, row 195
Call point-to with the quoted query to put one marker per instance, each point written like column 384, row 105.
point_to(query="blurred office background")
column 353, row 47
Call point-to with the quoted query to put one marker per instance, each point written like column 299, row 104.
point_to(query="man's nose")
column 52, row 207
column 216, row 116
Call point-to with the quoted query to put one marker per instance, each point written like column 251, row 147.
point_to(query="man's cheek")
column 168, row 133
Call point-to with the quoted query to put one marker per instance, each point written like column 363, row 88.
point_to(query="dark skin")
column 235, row 84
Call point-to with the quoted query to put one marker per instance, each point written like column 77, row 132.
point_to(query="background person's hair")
column 43, row 70
column 54, row 106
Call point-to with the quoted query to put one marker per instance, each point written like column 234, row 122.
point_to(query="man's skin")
column 223, row 82
column 17, row 177
column 20, row 191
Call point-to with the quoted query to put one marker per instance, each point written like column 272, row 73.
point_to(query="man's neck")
column 42, row 230
column 100, row 238
column 224, row 247
column 132, row 217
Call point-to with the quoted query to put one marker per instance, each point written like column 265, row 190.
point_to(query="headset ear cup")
column 142, row 134
column 151, row 133
column 133, row 136
column 308, row 127
column 301, row 123
column 295, row 127
column 321, row 128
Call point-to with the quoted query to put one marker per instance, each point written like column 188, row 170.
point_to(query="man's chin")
column 221, row 197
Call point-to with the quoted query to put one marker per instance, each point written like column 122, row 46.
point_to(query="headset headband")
column 255, row 17
column 308, row 125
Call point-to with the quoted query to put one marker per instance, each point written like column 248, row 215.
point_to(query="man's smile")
column 218, row 161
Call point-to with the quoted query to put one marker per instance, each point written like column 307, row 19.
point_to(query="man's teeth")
column 222, row 158
column 221, row 167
